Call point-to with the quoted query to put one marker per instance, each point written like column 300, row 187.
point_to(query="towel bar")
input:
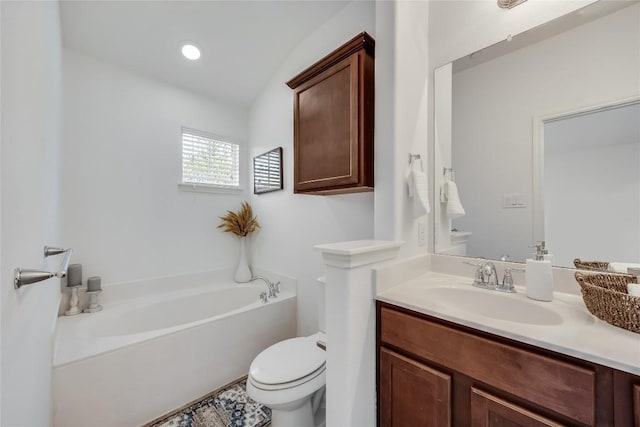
column 24, row 276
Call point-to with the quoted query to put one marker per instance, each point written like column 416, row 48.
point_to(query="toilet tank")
column 322, row 314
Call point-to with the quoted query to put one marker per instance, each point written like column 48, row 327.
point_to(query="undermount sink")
column 510, row 307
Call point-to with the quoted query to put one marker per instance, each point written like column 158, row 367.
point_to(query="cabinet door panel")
column 333, row 121
column 636, row 405
column 412, row 394
column 491, row 411
column 326, row 128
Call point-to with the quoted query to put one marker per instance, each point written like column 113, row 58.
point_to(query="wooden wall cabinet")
column 333, row 121
column 436, row 373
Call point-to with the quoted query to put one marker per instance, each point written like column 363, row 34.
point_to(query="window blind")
column 209, row 160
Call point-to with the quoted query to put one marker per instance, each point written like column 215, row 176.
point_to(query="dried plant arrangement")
column 240, row 223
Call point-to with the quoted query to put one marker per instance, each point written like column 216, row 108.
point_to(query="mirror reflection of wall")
column 496, row 101
column 592, row 185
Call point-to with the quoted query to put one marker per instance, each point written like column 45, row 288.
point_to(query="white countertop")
column 571, row 329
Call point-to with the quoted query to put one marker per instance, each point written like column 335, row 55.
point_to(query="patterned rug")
column 229, row 406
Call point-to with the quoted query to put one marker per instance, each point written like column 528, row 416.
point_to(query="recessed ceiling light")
column 190, row 51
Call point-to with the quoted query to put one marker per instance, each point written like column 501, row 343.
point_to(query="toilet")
column 289, row 378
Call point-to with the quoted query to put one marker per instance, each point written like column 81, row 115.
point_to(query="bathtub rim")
column 70, row 347
column 157, row 285
column 82, row 347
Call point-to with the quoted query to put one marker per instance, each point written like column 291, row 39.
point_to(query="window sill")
column 204, row 188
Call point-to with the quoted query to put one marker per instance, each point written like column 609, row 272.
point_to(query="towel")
column 418, row 188
column 454, row 207
column 621, row 267
column 633, row 289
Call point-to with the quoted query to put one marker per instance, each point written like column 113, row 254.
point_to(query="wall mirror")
column 542, row 134
column 267, row 171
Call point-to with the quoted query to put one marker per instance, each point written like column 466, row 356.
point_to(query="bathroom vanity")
column 443, row 361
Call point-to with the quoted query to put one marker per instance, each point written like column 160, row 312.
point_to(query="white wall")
column 293, row 224
column 31, row 90
column 493, row 110
column 1, row 271
column 122, row 211
column 410, row 100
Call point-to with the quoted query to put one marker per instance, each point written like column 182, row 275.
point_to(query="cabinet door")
column 636, row 405
column 491, row 411
column 626, row 398
column 326, row 131
column 412, row 394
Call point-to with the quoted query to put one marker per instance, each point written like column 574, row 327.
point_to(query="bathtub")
column 160, row 344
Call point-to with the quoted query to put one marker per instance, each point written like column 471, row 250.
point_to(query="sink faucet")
column 507, row 282
column 486, row 277
column 273, row 288
column 489, row 274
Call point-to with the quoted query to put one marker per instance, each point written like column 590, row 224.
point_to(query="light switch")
column 514, row 201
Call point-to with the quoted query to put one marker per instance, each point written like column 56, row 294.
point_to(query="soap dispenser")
column 539, row 276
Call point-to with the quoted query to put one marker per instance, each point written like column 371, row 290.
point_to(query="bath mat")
column 229, row 406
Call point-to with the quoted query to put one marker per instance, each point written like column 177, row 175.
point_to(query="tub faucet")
column 273, row 288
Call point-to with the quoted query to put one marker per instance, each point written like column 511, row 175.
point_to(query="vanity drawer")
column 556, row 385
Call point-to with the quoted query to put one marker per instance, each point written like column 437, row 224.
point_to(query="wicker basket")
column 591, row 265
column 606, row 297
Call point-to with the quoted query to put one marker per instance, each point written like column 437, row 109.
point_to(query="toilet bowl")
column 289, row 378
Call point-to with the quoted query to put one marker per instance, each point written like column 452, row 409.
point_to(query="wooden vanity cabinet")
column 636, row 403
column 488, row 410
column 333, row 121
column 626, row 397
column 402, row 380
column 444, row 374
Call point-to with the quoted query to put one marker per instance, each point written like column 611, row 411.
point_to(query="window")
column 210, row 161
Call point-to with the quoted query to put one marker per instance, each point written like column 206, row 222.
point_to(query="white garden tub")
column 155, row 348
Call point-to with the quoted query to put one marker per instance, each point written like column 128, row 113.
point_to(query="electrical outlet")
column 422, row 235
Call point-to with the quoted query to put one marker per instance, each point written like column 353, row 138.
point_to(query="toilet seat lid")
column 287, row 361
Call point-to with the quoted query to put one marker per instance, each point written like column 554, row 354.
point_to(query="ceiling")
column 242, row 42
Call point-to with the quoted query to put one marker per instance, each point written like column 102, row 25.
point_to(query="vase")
column 243, row 273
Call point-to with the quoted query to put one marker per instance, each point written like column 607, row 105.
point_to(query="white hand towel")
column 621, row 267
column 418, row 188
column 633, row 289
column 454, row 207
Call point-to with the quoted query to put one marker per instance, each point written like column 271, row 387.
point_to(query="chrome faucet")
column 507, row 282
column 272, row 288
column 486, row 277
column 489, row 274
